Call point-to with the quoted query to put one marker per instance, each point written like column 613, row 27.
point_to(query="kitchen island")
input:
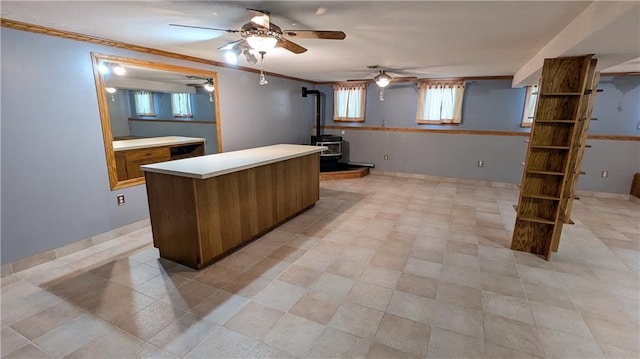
column 204, row 207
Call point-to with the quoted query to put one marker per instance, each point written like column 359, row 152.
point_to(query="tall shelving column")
column 548, row 173
column 585, row 115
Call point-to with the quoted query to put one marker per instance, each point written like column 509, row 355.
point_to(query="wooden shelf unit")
column 554, row 154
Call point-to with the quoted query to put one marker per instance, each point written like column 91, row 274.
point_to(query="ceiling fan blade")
column 291, row 46
column 315, row 34
column 230, row 45
column 259, row 17
column 205, row 28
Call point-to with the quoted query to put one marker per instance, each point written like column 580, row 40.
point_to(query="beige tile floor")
column 381, row 267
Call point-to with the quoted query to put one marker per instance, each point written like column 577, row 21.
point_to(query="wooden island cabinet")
column 133, row 153
column 204, row 207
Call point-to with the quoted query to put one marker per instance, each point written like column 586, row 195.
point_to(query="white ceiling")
column 427, row 38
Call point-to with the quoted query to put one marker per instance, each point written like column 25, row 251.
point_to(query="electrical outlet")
column 480, row 163
column 120, row 199
column 342, row 132
column 386, row 157
column 604, row 174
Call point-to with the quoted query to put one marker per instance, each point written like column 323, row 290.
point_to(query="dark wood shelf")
column 536, row 220
column 551, row 173
column 555, row 150
column 561, row 94
column 550, row 147
column 554, row 121
column 540, row 196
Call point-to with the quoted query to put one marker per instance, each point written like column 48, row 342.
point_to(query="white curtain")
column 181, row 104
column 440, row 102
column 144, row 103
column 349, row 102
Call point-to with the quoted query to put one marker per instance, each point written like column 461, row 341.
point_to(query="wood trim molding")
column 429, row 130
column 470, row 132
column 38, row 29
column 172, row 121
column 470, row 78
column 613, row 137
column 618, row 74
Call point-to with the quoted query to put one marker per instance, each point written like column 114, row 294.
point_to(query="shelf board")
column 540, row 196
column 561, row 94
column 536, row 220
column 551, row 147
column 554, row 121
column 539, row 172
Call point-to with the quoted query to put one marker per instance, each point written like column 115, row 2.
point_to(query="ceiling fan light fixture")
column 262, row 42
column 110, row 90
column 209, row 86
column 382, row 80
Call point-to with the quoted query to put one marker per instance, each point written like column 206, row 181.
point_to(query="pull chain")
column 263, row 80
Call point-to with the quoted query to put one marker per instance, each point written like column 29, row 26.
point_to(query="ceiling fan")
column 261, row 34
column 383, row 79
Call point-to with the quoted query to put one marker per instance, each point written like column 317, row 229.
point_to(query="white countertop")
column 203, row 167
column 123, row 145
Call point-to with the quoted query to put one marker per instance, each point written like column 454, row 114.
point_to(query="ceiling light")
column 231, row 56
column 251, row 58
column 382, row 80
column 262, row 42
column 111, row 91
column 119, row 70
column 209, row 85
column 103, row 69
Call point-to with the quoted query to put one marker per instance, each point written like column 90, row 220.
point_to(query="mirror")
column 153, row 112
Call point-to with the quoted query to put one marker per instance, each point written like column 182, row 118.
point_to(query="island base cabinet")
column 196, row 221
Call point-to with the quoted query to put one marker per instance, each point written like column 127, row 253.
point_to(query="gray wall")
column 151, row 128
column 119, row 113
column 55, row 188
column 456, row 155
column 489, row 105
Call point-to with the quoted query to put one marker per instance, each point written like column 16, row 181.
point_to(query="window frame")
column 528, row 112
column 362, row 98
column 457, row 88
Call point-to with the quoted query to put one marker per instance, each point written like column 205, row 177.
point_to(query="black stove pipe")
column 305, row 92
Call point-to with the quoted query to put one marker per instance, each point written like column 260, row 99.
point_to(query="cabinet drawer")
column 159, row 153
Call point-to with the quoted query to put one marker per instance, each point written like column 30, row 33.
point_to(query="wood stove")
column 329, row 157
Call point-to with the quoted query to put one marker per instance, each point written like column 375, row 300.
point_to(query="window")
column 349, row 102
column 144, row 103
column 440, row 102
column 530, row 102
column 181, row 104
